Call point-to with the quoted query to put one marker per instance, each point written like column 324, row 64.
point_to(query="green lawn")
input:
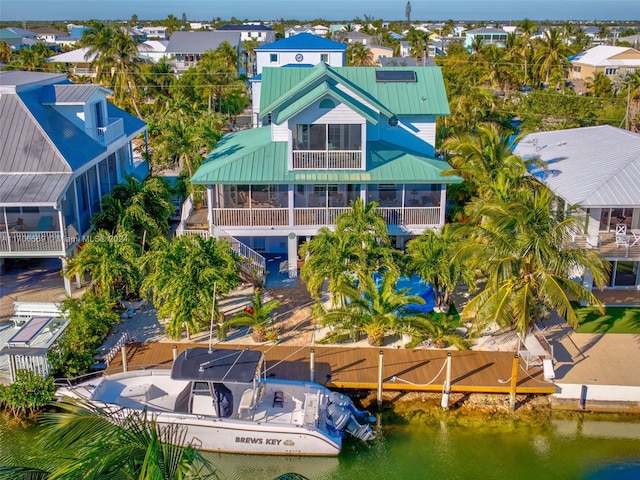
column 615, row 320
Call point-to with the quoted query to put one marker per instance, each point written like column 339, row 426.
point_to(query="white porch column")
column 62, row 232
column 443, row 203
column 210, row 205
column 292, row 254
column 67, row 282
column 291, row 200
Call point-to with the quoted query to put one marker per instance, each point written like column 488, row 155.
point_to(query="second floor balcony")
column 110, row 132
column 327, row 159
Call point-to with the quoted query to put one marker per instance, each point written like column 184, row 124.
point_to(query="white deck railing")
column 327, row 160
column 110, row 132
column 254, row 261
column 264, row 217
column 33, row 242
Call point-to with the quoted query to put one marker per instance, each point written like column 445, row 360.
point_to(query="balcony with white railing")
column 111, row 132
column 33, row 243
column 327, row 160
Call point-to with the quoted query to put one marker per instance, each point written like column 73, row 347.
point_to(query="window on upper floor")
column 324, row 57
column 327, row 137
column 610, row 71
column 273, row 58
column 100, row 121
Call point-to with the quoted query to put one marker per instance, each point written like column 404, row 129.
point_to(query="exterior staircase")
column 253, row 266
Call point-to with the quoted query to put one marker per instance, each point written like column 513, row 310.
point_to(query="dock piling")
column 514, row 382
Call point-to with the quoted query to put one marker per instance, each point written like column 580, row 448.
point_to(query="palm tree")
column 485, row 160
column 137, row 207
column 116, row 61
column 432, row 256
column 419, row 45
column 358, row 55
column 181, row 141
column 81, row 441
column 249, row 47
column 111, row 261
column 5, row 52
column 526, row 254
column 257, row 316
column 551, row 54
column 375, row 310
column 181, row 276
column 357, row 248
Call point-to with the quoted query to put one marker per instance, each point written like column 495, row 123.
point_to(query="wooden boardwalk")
column 357, row 368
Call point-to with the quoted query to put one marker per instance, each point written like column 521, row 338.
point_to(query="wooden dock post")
column 312, row 365
column 447, row 385
column 123, row 349
column 174, row 351
column 380, row 380
column 514, row 382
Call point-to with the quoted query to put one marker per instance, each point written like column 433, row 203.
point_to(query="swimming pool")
column 417, row 287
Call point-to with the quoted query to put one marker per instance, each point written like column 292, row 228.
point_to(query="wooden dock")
column 357, row 368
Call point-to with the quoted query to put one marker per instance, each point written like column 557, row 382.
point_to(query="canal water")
column 588, row 447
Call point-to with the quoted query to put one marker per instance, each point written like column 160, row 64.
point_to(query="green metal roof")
column 250, row 157
column 425, row 96
column 325, row 89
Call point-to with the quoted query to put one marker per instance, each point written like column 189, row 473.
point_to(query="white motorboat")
column 219, row 396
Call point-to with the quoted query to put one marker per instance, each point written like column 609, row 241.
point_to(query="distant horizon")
column 330, row 10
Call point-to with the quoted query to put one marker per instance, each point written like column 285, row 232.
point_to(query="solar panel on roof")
column 395, row 76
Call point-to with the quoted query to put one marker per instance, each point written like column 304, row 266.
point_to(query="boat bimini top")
column 217, row 365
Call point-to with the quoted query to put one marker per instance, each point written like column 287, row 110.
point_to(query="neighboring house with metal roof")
column 605, row 59
column 78, row 61
column 488, row 35
column 153, row 50
column 331, row 135
column 304, row 50
column 186, row 48
column 358, row 37
column 63, row 147
column 50, row 35
column 261, row 33
column 597, row 170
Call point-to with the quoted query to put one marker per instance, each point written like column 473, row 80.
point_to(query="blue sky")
column 328, row 9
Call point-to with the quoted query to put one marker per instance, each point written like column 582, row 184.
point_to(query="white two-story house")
column 331, row 135
column 64, row 146
column 596, row 170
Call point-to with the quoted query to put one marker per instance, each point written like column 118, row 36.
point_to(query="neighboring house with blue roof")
column 63, row 147
column 303, row 50
column 261, row 33
column 488, row 35
column 331, row 135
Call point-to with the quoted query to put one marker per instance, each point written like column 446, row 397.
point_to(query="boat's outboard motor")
column 344, row 416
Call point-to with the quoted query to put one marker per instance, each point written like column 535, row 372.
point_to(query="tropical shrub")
column 28, row 394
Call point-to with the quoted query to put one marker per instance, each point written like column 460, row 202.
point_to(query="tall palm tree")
column 257, row 316
column 111, row 261
column 116, row 61
column 419, row 45
column 526, row 254
column 181, row 276
column 375, row 310
column 249, row 47
column 550, row 59
column 81, row 441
